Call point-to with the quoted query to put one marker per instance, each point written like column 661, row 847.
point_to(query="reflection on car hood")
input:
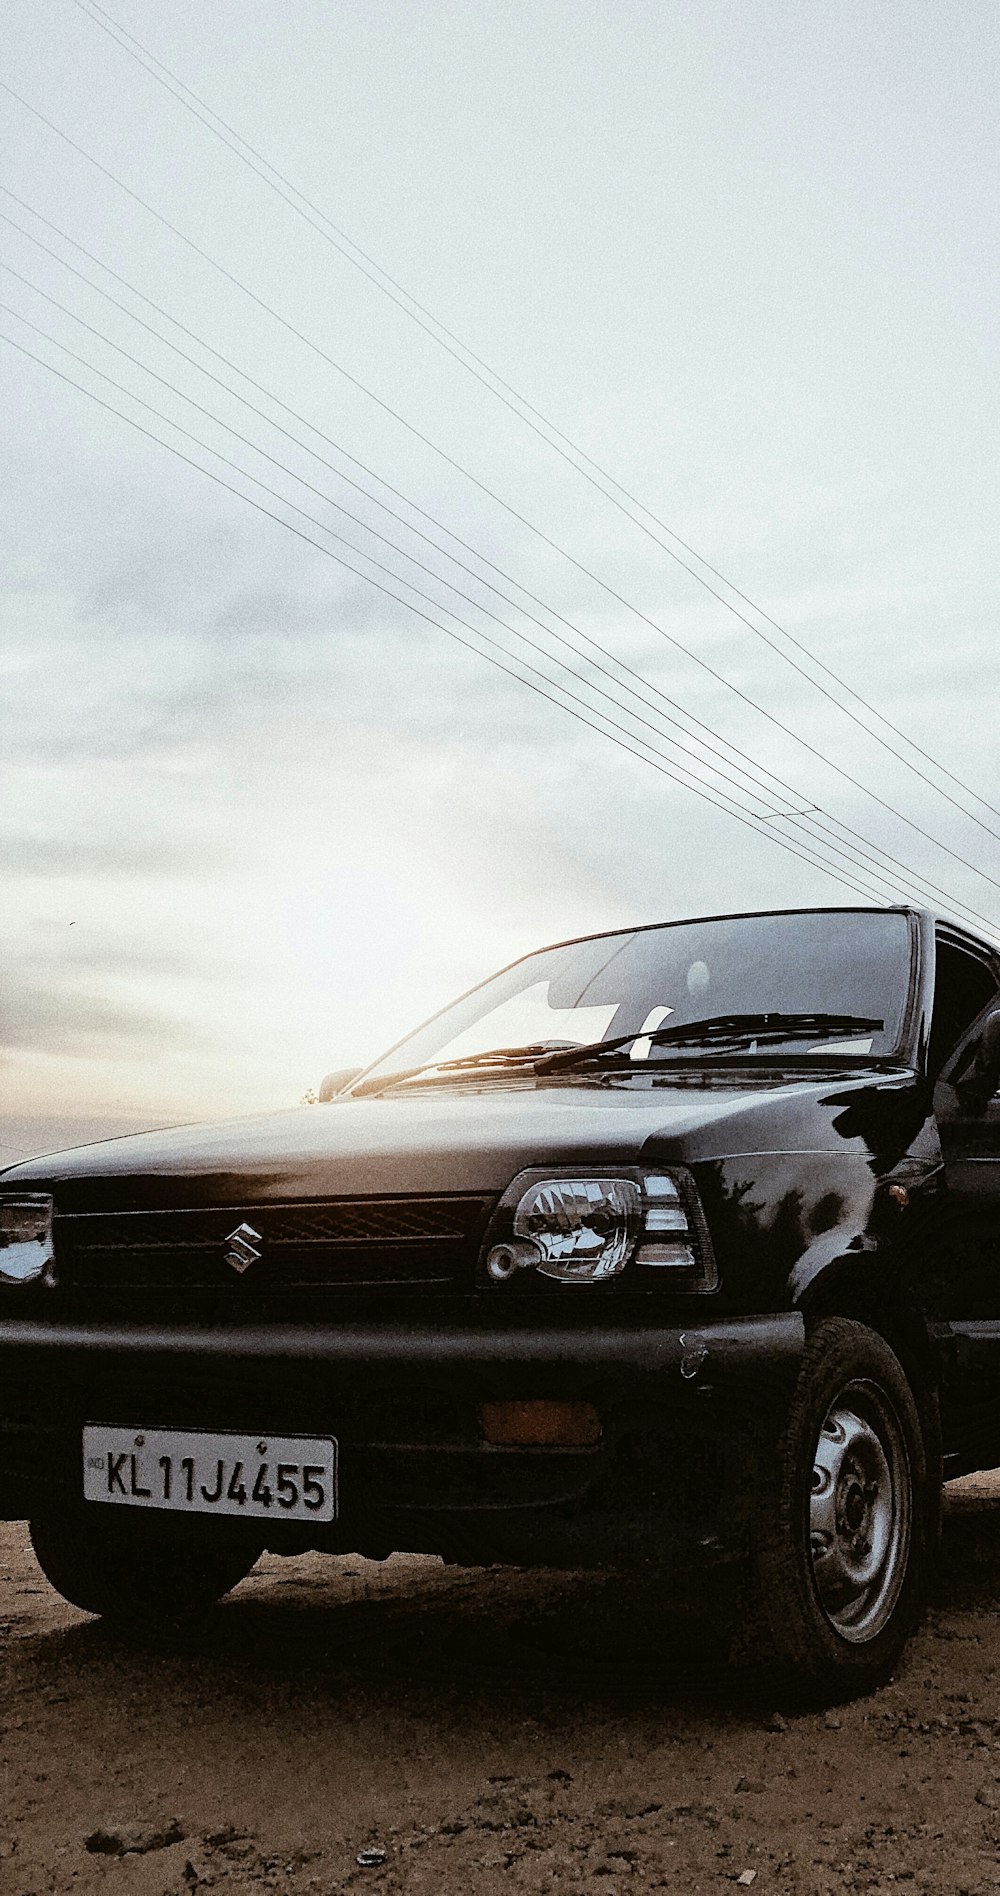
column 465, row 1138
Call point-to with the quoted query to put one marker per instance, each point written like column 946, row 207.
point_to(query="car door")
column 966, row 1265
column 967, row 1110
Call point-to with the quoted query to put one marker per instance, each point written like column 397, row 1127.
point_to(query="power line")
column 924, row 885
column 389, row 571
column 758, row 826
column 518, row 404
column 813, row 816
column 450, row 461
column 328, row 498
column 338, row 448
column 276, row 495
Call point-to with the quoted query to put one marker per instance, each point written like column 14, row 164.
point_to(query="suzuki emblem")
column 243, row 1244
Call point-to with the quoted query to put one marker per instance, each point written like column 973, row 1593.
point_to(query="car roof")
column 739, row 915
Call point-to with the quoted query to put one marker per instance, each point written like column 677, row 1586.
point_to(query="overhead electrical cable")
column 362, row 553
column 711, row 742
column 642, row 696
column 851, row 859
column 741, row 782
column 449, row 460
column 880, row 893
column 275, row 494
column 813, row 820
column 518, row 404
column 925, row 886
column 759, row 827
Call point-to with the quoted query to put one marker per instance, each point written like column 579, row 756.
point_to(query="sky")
column 257, row 817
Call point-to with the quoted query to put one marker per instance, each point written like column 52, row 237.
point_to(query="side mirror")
column 334, row 1083
column 980, row 1078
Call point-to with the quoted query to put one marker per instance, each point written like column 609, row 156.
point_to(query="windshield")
column 850, row 962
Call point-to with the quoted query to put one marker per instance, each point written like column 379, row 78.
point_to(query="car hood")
column 466, row 1138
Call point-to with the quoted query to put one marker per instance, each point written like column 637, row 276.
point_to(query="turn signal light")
column 540, row 1424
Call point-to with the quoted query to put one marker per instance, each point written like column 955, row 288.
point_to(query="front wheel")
column 840, row 1560
column 139, row 1567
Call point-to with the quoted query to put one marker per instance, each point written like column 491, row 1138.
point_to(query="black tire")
column 845, row 1530
column 139, row 1568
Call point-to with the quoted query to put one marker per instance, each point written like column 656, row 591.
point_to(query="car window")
column 964, row 984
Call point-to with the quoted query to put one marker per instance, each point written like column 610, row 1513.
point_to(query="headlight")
column 25, row 1236
column 583, row 1227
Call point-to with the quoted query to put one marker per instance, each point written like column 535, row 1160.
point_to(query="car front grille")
column 348, row 1243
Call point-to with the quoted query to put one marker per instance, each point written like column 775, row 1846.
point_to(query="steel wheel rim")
column 859, row 1512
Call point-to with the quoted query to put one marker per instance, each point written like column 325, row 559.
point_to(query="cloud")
column 77, row 1022
column 48, row 856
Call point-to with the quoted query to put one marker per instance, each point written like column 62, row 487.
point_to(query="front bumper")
column 687, row 1418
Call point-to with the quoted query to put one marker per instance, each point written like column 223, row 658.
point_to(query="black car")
column 675, row 1246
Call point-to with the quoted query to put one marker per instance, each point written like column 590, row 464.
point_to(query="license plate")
column 274, row 1477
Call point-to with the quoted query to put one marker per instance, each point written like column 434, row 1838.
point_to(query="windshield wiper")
column 492, row 1056
column 718, row 1030
column 552, row 1056
column 504, row 1056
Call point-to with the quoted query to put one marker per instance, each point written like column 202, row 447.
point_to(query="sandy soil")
column 486, row 1730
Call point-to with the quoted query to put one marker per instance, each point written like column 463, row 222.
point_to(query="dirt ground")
column 486, row 1730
